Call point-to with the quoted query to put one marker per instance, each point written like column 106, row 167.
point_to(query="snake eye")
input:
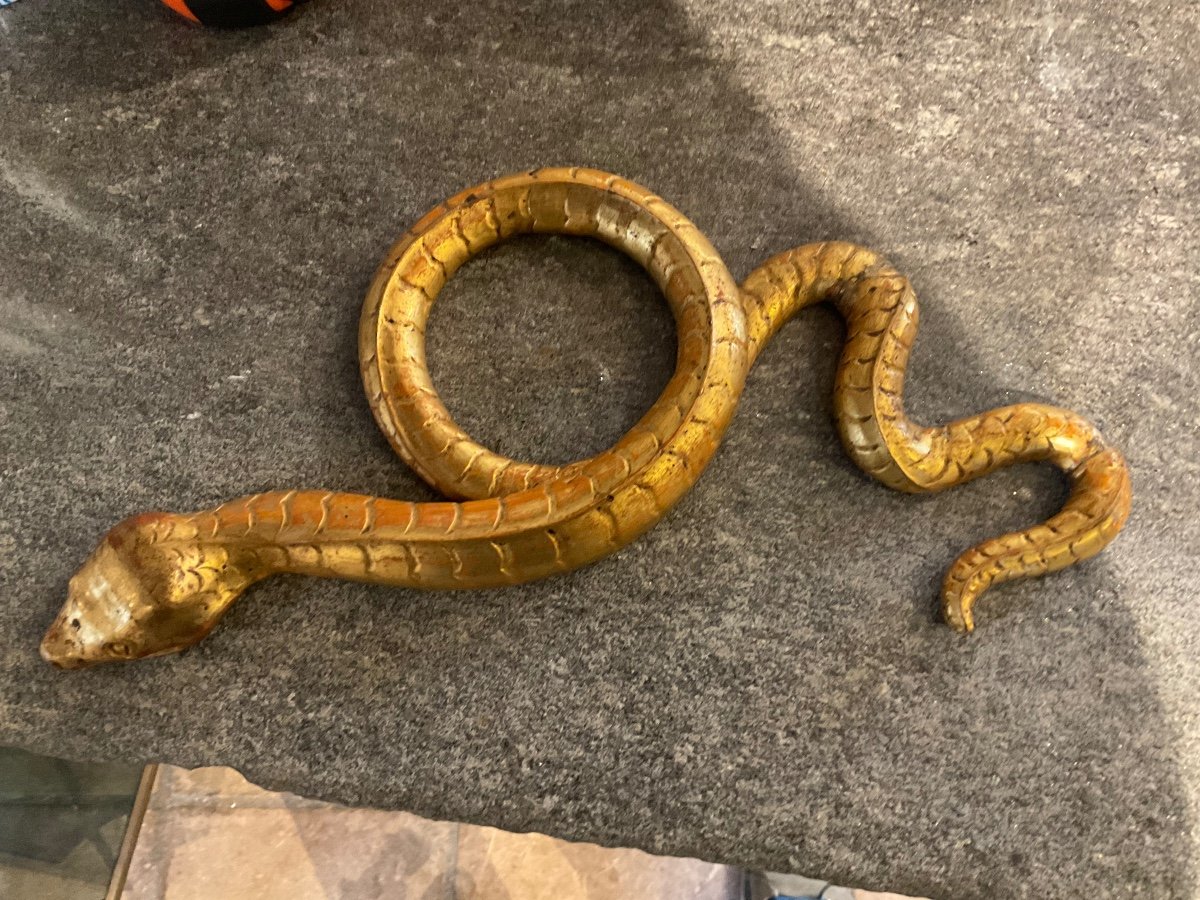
column 118, row 648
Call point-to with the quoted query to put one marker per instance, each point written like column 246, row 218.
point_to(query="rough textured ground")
column 190, row 221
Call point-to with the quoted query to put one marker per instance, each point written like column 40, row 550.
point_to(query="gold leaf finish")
column 160, row 582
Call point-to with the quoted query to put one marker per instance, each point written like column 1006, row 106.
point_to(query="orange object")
column 180, row 7
column 230, row 13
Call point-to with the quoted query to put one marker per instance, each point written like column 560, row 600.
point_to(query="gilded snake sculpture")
column 159, row 582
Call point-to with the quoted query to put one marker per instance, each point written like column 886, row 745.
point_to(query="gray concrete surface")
column 190, row 221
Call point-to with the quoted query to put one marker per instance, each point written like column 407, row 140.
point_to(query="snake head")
column 142, row 593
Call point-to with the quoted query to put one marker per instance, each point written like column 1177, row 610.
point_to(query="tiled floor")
column 61, row 825
column 208, row 833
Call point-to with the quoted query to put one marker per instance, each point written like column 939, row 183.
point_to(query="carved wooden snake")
column 159, row 582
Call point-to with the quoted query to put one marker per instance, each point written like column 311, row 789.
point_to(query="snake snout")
column 62, row 651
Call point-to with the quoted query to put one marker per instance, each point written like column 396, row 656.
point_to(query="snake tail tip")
column 956, row 611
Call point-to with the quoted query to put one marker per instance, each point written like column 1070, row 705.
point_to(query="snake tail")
column 880, row 311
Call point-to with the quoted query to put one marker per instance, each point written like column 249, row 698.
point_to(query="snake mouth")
column 64, row 647
column 63, row 652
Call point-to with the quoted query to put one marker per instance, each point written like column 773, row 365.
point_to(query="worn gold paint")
column 160, row 582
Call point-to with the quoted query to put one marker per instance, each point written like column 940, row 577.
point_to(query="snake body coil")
column 159, row 582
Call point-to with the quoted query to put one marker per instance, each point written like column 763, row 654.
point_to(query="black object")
column 232, row 13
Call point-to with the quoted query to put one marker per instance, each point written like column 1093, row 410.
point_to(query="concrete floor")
column 209, row 833
column 190, row 221
column 273, row 845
